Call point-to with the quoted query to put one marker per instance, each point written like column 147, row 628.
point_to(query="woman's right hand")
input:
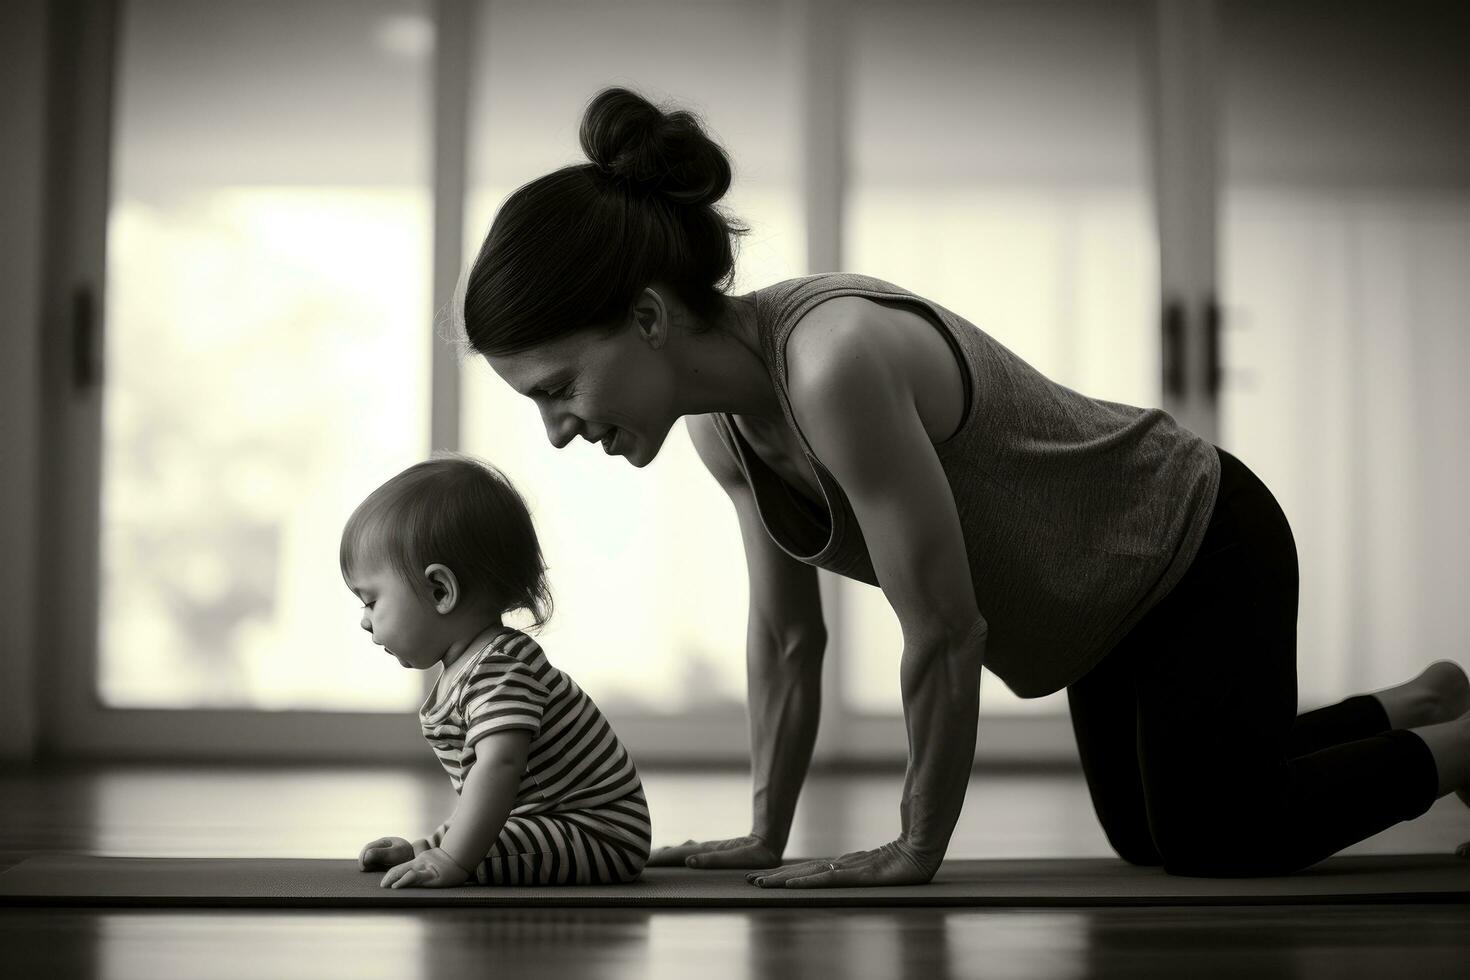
column 749, row 851
column 385, row 853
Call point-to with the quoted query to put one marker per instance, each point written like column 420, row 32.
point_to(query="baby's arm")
column 486, row 798
column 433, row 840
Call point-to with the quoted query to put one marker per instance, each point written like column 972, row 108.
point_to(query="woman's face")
column 616, row 389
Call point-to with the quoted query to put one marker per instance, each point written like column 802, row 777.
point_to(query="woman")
column 1060, row 540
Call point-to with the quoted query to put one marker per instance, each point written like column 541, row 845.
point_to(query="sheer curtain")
column 1345, row 247
column 267, row 365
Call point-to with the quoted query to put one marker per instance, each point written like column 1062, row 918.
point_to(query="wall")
column 22, row 184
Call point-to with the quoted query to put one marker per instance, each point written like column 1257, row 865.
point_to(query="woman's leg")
column 1104, row 702
column 1104, row 709
column 1439, row 693
column 1217, row 713
column 1359, row 716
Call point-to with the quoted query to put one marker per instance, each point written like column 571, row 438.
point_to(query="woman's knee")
column 1226, row 854
column 1214, row 865
column 1133, row 846
column 1142, row 858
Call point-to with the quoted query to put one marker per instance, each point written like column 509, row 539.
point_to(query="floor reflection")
column 186, row 946
column 766, row 944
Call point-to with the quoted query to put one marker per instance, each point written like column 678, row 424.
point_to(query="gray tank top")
column 1079, row 514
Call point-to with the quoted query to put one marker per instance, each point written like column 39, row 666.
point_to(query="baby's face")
column 399, row 619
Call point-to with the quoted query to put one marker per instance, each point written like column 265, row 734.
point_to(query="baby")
column 547, row 793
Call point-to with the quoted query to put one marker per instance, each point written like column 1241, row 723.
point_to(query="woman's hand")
column 432, row 869
column 895, row 863
column 384, row 853
column 749, row 851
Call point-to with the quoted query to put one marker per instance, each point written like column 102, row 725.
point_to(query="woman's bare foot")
column 1441, row 692
column 1439, row 695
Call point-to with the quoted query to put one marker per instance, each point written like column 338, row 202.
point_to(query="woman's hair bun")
column 657, row 152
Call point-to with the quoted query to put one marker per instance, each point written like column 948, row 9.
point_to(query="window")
column 1345, row 236
column 269, row 310
column 646, row 565
column 267, row 366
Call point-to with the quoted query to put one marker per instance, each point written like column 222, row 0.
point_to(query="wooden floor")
column 330, row 812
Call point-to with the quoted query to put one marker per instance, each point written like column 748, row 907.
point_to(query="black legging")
column 1188, row 732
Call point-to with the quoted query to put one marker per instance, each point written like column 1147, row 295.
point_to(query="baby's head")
column 438, row 554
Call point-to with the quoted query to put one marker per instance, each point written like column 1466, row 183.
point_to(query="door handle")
column 1214, row 372
column 1173, row 348
column 86, row 339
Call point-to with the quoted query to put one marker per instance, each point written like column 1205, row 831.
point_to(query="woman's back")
column 1079, row 514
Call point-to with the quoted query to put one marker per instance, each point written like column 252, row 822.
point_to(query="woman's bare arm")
column 858, row 412
column 785, row 642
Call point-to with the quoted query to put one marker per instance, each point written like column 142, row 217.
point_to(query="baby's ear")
column 445, row 587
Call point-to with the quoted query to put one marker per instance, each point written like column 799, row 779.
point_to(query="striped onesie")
column 580, row 816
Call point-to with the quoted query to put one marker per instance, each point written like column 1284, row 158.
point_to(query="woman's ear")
column 443, row 586
column 650, row 315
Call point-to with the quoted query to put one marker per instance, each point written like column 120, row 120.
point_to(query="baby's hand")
column 432, row 869
column 384, row 853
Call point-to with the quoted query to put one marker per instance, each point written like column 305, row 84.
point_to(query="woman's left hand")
column 432, row 869
column 895, row 863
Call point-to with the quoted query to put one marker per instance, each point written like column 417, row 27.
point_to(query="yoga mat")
column 79, row 879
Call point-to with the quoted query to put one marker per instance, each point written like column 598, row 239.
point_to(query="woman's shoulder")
column 857, row 280
column 835, row 315
column 792, row 296
column 891, row 337
column 878, row 310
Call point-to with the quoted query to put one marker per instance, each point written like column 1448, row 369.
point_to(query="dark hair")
column 574, row 248
column 461, row 512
